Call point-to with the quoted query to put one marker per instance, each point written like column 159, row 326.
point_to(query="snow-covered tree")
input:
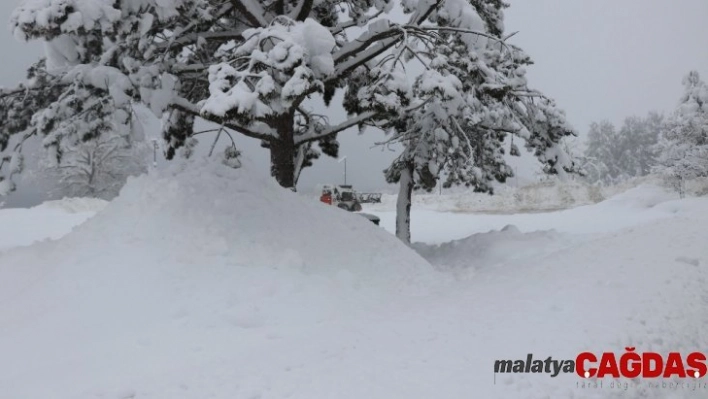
column 17, row 108
column 471, row 96
column 684, row 142
column 256, row 67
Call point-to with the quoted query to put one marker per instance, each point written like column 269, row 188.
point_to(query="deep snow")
column 210, row 283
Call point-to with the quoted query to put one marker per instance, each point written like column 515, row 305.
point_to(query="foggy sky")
column 600, row 59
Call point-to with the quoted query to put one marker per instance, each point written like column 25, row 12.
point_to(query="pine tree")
column 472, row 95
column 684, row 142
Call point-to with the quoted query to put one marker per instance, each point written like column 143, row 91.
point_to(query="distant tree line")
column 675, row 145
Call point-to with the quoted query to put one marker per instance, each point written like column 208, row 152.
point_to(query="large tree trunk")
column 282, row 153
column 403, row 204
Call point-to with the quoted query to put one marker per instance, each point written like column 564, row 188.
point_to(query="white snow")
column 56, row 14
column 53, row 220
column 105, row 78
column 210, row 283
column 306, row 43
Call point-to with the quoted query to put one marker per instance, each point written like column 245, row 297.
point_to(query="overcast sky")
column 600, row 59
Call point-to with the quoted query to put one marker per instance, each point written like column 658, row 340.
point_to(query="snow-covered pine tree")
column 17, row 109
column 683, row 147
column 471, row 97
column 257, row 67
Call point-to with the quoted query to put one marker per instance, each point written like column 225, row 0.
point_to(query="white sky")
column 600, row 59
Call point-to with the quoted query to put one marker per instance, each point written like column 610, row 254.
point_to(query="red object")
column 326, row 198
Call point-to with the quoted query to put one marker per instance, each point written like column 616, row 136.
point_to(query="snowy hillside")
column 209, row 283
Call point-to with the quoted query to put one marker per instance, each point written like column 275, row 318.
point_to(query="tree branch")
column 313, row 136
column 192, row 37
column 253, row 12
column 383, row 40
column 186, row 106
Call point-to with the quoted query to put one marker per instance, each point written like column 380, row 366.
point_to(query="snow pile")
column 226, row 214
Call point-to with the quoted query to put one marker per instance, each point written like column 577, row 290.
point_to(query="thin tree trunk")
column 403, row 204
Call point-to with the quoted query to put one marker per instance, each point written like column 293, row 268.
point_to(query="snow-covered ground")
column 213, row 284
column 51, row 220
column 540, row 196
column 535, row 197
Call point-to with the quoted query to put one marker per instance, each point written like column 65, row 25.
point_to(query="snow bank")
column 489, row 249
column 50, row 220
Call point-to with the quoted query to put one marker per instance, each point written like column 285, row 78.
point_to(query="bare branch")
column 216, row 140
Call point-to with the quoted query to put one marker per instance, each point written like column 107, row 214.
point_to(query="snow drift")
column 208, row 211
column 178, row 268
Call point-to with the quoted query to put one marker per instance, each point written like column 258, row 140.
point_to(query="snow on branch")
column 36, row 18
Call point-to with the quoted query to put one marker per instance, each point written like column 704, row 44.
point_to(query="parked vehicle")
column 344, row 197
column 341, row 196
